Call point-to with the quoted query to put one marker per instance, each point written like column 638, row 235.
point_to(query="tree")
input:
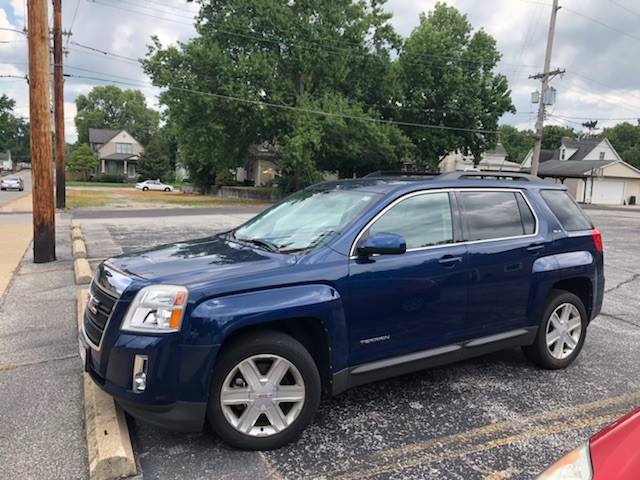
column 110, row 107
column 552, row 136
column 153, row 163
column 7, row 122
column 82, row 161
column 624, row 137
column 286, row 55
column 516, row 142
column 448, row 80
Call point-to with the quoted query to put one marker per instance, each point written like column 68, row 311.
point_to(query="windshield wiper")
column 266, row 244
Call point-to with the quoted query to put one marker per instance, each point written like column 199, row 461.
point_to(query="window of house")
column 562, row 154
column 601, row 155
column 131, row 170
column 124, row 148
column 422, row 220
column 491, row 215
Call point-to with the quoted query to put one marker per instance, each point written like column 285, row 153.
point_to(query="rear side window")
column 568, row 213
column 490, row 215
column 422, row 220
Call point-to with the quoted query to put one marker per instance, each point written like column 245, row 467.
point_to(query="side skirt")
column 416, row 361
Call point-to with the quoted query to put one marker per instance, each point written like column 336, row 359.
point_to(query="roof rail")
column 482, row 175
column 398, row 173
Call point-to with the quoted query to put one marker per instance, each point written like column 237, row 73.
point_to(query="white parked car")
column 154, row 185
column 12, row 183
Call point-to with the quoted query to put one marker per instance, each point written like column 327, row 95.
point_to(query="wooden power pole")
column 44, row 233
column 58, row 109
column 545, row 77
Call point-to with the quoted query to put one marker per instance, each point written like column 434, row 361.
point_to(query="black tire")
column 144, row 189
column 257, row 343
column 167, row 189
column 539, row 352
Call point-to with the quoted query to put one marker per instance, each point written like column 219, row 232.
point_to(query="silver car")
column 12, row 183
column 154, row 185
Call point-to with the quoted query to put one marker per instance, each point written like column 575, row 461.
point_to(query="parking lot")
column 494, row 417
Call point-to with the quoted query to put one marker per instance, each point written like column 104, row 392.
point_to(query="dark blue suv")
column 341, row 284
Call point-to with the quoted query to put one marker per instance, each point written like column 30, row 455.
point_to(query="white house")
column 6, row 163
column 592, row 170
column 495, row 160
column 117, row 151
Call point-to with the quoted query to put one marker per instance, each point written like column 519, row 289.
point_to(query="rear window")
column 568, row 213
column 490, row 215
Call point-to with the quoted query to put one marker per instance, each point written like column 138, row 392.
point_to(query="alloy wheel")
column 564, row 329
column 262, row 395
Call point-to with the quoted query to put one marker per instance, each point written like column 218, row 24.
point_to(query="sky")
column 597, row 42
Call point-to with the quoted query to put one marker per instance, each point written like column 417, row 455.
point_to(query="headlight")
column 575, row 465
column 158, row 308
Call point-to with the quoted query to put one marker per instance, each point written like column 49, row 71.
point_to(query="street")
column 7, row 196
column 493, row 417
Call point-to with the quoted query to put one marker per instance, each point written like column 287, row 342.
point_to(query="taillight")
column 597, row 240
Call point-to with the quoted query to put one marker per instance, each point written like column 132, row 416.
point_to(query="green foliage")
column 82, row 161
column 153, row 163
column 516, row 142
column 448, row 79
column 110, row 178
column 552, row 136
column 110, row 107
column 625, row 138
column 7, row 122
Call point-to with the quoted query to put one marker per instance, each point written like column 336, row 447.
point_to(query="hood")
column 212, row 258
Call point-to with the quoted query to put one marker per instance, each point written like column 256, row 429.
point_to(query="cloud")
column 601, row 80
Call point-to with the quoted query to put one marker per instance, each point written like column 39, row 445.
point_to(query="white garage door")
column 608, row 192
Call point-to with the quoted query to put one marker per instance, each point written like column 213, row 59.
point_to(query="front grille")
column 97, row 313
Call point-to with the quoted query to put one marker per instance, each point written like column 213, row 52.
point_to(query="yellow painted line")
column 538, row 424
column 14, row 239
column 428, row 458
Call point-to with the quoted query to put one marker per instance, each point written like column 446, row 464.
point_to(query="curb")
column 81, row 267
column 108, row 441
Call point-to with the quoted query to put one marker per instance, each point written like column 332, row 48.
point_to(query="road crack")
column 615, row 317
column 623, row 283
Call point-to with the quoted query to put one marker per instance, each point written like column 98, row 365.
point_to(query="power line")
column 262, row 103
column 105, row 52
column 13, row 30
column 625, row 8
column 595, row 117
column 73, row 20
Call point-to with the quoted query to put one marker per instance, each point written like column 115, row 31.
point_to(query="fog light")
column 139, row 383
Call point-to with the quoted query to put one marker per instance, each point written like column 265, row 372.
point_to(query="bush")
column 110, row 178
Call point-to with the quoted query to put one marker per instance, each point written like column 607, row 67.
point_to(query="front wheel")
column 145, row 189
column 562, row 332
column 167, row 189
column 264, row 392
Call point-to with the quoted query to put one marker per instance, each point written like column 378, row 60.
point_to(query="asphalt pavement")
column 7, row 196
column 494, row 417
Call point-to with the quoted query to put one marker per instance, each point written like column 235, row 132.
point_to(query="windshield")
column 306, row 219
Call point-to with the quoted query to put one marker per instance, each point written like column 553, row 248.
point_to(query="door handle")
column 449, row 261
column 535, row 249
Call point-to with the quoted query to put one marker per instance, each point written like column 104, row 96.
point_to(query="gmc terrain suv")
column 338, row 285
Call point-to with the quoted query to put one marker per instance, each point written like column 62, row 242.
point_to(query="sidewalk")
column 16, row 232
column 41, row 432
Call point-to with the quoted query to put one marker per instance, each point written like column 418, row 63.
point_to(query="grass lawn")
column 77, row 183
column 127, row 197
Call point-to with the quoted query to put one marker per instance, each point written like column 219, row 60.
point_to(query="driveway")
column 495, row 417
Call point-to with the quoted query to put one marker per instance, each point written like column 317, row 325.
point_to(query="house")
column 592, row 170
column 495, row 160
column 6, row 163
column 117, row 151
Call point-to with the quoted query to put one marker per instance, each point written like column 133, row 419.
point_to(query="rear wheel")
column 265, row 391
column 562, row 332
column 167, row 189
column 144, row 189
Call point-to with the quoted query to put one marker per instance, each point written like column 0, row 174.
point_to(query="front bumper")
column 177, row 379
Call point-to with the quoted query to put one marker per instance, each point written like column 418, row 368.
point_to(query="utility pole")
column 545, row 77
column 44, row 230
column 58, row 109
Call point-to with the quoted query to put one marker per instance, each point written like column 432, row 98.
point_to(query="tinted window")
column 528, row 221
column 568, row 213
column 423, row 220
column 495, row 215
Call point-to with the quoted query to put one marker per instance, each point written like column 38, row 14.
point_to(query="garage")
column 607, row 192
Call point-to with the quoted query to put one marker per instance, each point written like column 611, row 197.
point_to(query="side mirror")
column 382, row 244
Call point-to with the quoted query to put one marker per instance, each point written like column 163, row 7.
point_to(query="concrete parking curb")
column 108, row 441
column 79, row 249
column 76, row 233
column 82, row 271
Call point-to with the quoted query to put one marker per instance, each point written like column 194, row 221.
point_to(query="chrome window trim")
column 352, row 254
